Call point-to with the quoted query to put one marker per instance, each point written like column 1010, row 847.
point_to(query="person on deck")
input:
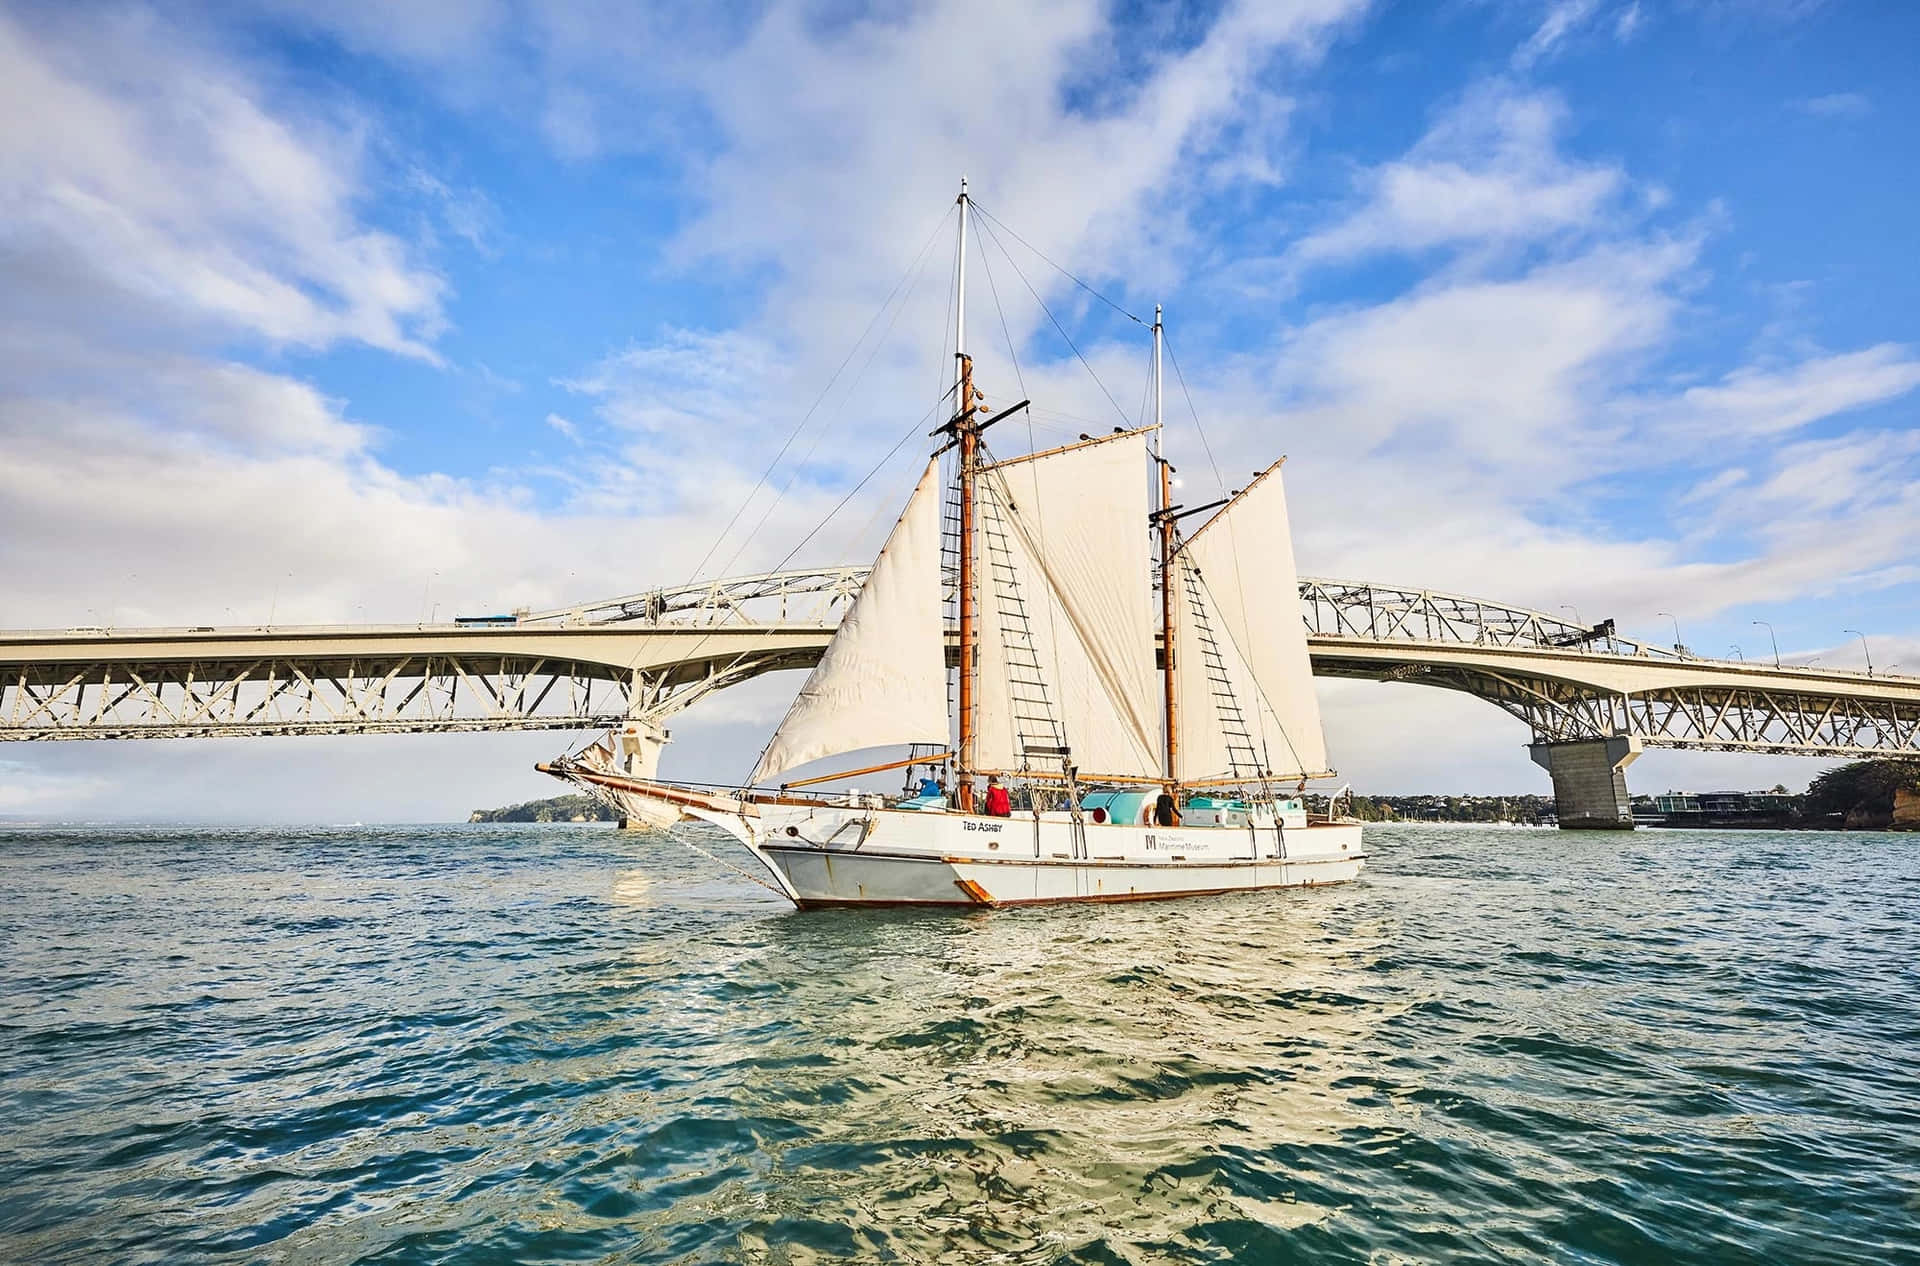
column 999, row 805
column 929, row 787
column 1165, row 811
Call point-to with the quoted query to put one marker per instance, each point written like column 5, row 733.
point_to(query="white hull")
column 821, row 878
column 837, row 856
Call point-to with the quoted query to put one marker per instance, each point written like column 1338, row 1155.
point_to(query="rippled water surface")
column 568, row 1044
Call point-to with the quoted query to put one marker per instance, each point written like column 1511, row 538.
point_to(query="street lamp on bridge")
column 1676, row 630
column 1863, row 648
column 1773, row 639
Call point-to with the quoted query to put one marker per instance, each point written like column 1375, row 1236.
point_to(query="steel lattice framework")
column 1570, row 682
column 1784, row 722
column 285, row 696
column 646, row 656
column 807, row 595
column 200, row 682
column 1345, row 608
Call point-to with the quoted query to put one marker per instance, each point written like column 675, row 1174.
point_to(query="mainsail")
column 1243, row 680
column 883, row 678
column 1066, row 613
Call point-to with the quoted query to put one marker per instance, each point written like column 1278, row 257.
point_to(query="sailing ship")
column 1112, row 773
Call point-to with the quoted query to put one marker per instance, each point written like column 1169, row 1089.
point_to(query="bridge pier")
column 1590, row 781
column 639, row 748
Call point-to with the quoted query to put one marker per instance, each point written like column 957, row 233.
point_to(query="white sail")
column 883, row 678
column 1249, row 707
column 1066, row 612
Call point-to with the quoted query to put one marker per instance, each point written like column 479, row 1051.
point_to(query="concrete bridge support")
column 639, row 744
column 1590, row 782
column 637, row 747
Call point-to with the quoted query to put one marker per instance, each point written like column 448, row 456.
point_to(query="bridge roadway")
column 1592, row 699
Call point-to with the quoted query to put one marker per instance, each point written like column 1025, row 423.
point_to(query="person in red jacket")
column 998, row 804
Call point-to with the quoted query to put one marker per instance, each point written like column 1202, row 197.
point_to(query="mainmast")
column 1167, row 650
column 967, row 434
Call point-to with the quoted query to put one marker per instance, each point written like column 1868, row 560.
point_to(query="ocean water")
column 545, row 1044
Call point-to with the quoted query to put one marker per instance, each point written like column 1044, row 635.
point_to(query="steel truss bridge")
column 1571, row 683
column 637, row 660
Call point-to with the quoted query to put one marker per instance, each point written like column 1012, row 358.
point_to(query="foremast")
column 966, row 432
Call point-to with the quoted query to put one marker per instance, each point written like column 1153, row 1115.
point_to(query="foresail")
column 1243, row 678
column 883, row 678
column 1066, row 613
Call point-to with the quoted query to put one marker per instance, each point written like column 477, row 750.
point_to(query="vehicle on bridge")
column 1135, row 788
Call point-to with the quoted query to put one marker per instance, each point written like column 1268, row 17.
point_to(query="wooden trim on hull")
column 1097, row 863
column 1104, row 898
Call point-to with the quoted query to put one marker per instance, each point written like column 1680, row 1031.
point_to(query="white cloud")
column 140, row 175
column 1470, row 433
column 1838, row 105
column 1563, row 17
column 422, row 31
column 1711, row 488
column 854, row 132
column 1500, row 371
column 689, row 383
column 1856, row 471
column 1751, row 402
column 1489, row 172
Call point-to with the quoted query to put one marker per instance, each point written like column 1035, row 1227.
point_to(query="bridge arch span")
column 636, row 661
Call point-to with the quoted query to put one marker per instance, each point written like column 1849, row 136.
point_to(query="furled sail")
column 1066, row 612
column 1242, row 678
column 883, row 678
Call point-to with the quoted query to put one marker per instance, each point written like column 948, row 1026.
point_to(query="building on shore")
column 1725, row 808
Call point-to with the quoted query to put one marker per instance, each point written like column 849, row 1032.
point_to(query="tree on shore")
column 1861, row 793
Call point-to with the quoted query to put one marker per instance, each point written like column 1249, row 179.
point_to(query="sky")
column 359, row 312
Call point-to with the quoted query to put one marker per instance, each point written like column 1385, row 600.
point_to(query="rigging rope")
column 989, row 233
column 912, row 431
column 1193, row 412
column 986, row 261
column 611, row 799
column 1057, row 268
column 818, row 437
column 815, row 445
column 745, row 874
column 900, row 443
column 912, row 270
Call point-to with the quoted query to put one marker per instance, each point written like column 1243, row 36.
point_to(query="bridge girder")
column 278, row 697
column 1697, row 718
column 645, row 657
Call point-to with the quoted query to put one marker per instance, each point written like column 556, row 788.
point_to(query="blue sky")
column 354, row 309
